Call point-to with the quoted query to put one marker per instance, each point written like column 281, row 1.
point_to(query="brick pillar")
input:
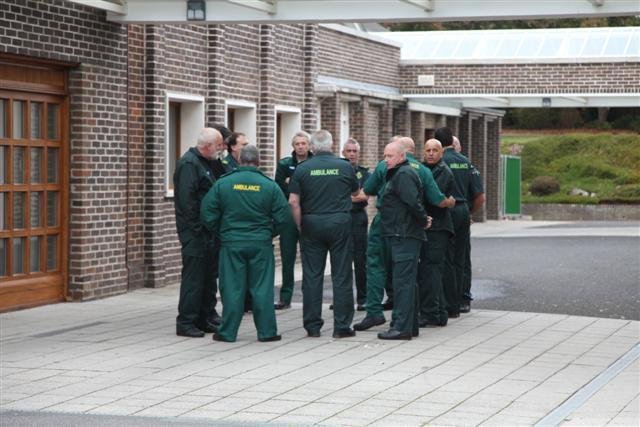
column 453, row 122
column 464, row 134
column 417, row 131
column 402, row 121
column 330, row 112
column 136, row 156
column 154, row 218
column 385, row 131
column 214, row 103
column 266, row 105
column 310, row 101
column 491, row 174
column 479, row 153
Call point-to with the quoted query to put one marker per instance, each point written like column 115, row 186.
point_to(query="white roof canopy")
column 265, row 11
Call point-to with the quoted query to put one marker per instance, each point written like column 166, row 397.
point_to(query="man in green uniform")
column 235, row 143
column 246, row 210
column 193, row 177
column 457, row 248
column 289, row 236
column 475, row 200
column 433, row 309
column 377, row 271
column 403, row 220
column 320, row 199
column 359, row 222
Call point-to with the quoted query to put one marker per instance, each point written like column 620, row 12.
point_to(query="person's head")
column 300, row 143
column 209, row 143
column 250, row 156
column 351, row 151
column 444, row 135
column 322, row 141
column 456, row 144
column 407, row 143
column 394, row 154
column 235, row 143
column 224, row 131
column 394, row 138
column 433, row 151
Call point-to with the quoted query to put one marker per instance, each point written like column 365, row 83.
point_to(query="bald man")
column 433, row 307
column 193, row 177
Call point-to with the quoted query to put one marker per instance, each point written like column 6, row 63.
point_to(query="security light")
column 546, row 102
column 196, row 10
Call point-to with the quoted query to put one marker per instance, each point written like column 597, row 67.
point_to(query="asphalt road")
column 584, row 276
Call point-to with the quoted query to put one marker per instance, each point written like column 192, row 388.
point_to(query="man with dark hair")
column 289, row 236
column 219, row 168
column 246, row 210
column 457, row 249
column 403, row 221
column 193, row 177
column 235, row 143
column 320, row 199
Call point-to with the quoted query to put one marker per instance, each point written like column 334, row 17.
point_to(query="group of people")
column 416, row 248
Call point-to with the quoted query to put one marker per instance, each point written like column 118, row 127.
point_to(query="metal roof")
column 581, row 45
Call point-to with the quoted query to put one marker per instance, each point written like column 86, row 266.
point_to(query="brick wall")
column 355, row 58
column 524, row 78
column 63, row 31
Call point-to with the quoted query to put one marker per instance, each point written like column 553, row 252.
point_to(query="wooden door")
column 33, row 198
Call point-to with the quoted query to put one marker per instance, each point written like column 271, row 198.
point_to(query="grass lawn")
column 605, row 163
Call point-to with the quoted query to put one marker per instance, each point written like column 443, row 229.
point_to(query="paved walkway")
column 120, row 356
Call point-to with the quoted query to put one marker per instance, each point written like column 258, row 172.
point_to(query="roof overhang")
column 272, row 11
column 534, row 100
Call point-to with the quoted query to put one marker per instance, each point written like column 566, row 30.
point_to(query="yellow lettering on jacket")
column 324, row 172
column 246, row 187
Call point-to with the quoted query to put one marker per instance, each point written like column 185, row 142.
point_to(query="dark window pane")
column 34, row 253
column 4, row 252
column 52, row 253
column 19, row 248
column 35, row 164
column 4, row 164
column 36, row 120
column 52, row 208
column 4, row 211
column 52, row 165
column 35, row 209
column 53, row 119
column 18, row 119
column 3, row 118
column 18, row 209
column 18, row 165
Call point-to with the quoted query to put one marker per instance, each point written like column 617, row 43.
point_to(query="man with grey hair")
column 320, row 199
column 289, row 236
column 193, row 177
column 245, row 209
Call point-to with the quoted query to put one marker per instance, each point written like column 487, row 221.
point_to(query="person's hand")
column 452, row 201
column 429, row 222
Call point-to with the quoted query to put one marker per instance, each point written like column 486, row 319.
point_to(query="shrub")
column 544, row 185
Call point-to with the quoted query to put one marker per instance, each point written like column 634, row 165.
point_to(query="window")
column 344, row 124
column 183, row 122
column 241, row 117
column 288, row 122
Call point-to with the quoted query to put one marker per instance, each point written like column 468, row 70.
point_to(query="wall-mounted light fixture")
column 196, row 10
column 546, row 102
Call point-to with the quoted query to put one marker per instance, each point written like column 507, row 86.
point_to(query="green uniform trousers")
column 322, row 233
column 466, row 282
column 456, row 257
column 376, row 269
column 359, row 223
column 433, row 306
column 247, row 269
column 403, row 256
column 288, row 250
column 197, row 287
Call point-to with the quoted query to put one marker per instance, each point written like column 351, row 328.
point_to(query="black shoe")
column 345, row 333
column 281, row 305
column 331, row 307
column 465, row 307
column 361, row 307
column 209, row 327
column 387, row 305
column 415, row 333
column 313, row 334
column 426, row 324
column 453, row 315
column 217, row 337
column 192, row 332
column 369, row 322
column 215, row 319
column 269, row 339
column 392, row 334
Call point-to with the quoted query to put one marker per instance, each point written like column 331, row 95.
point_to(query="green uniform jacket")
column 462, row 172
column 362, row 174
column 441, row 216
column 284, row 171
column 244, row 205
column 402, row 213
column 375, row 184
column 192, row 179
column 229, row 163
column 476, row 186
